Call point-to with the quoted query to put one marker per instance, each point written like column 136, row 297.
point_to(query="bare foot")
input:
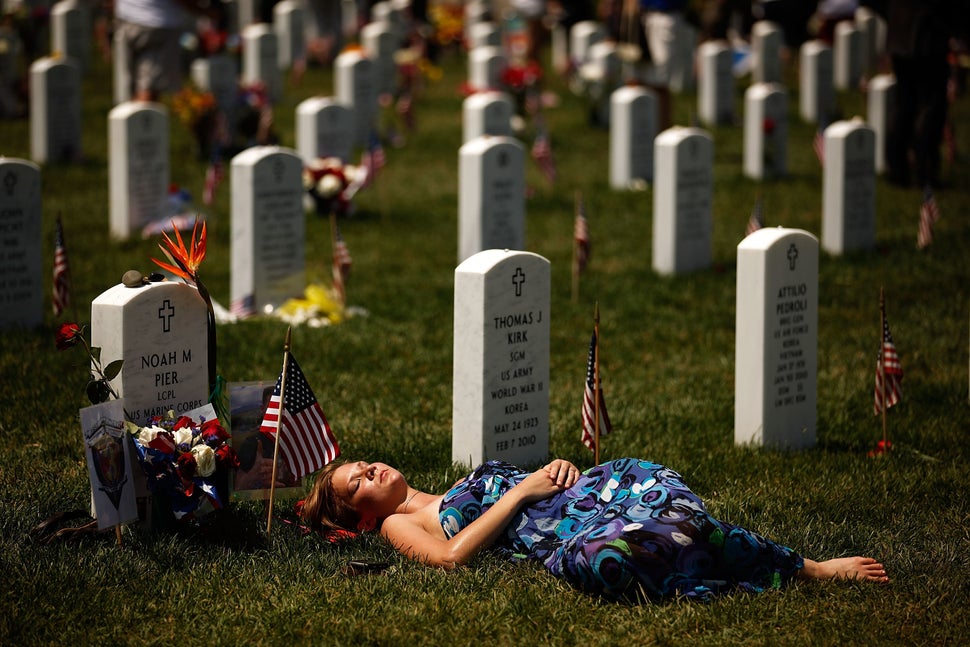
column 849, row 568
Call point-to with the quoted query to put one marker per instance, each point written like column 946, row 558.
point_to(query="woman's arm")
column 415, row 540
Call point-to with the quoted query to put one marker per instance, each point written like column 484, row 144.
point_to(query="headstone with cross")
column 267, row 250
column 260, row 61
column 683, row 190
column 324, row 128
column 500, row 407
column 776, row 339
column 486, row 113
column 491, row 203
column 633, row 127
column 55, row 110
column 765, row 131
column 159, row 331
column 849, row 187
column 138, row 179
column 21, row 288
column 816, row 86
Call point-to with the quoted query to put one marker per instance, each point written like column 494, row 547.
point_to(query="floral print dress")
column 627, row 529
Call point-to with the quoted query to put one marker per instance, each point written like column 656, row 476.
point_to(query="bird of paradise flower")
column 184, row 262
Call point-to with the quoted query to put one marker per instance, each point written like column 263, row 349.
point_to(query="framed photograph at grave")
column 247, row 403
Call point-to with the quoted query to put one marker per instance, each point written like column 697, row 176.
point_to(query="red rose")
column 184, row 422
column 67, row 335
column 187, row 466
column 163, row 442
column 213, row 433
column 226, row 456
column 769, row 126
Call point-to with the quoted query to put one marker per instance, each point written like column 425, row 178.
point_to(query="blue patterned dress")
column 627, row 529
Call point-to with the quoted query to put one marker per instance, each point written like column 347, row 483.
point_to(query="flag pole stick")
column 882, row 365
column 578, row 203
column 279, row 429
column 596, row 382
column 333, row 249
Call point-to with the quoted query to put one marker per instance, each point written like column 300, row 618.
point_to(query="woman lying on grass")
column 625, row 529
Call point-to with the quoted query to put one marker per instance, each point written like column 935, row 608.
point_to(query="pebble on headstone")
column 491, row 203
column 324, row 128
column 160, row 332
column 55, row 110
column 683, row 190
column 633, row 127
column 776, row 342
column 765, row 131
column 849, row 188
column 715, row 96
column 138, row 179
column 486, row 113
column 500, row 406
column 21, row 287
column 267, row 248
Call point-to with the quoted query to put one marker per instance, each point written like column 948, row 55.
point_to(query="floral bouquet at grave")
column 523, row 81
column 448, row 23
column 197, row 110
column 184, row 460
column 331, row 185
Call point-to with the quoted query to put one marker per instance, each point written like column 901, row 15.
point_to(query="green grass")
column 385, row 384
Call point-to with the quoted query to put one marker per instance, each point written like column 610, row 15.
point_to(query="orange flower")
column 185, row 262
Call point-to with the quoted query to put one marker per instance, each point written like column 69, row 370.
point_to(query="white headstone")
column 159, row 330
column 485, row 66
column 21, row 287
column 849, row 55
column 55, row 110
column 219, row 75
column 683, row 190
column 246, row 14
column 486, row 113
column 484, row 34
column 582, row 36
column 71, row 32
column 324, row 128
column 500, row 404
column 880, row 100
column 766, row 42
column 776, row 344
column 476, row 11
column 121, row 74
column 681, row 62
column 261, row 59
column 849, row 188
column 816, row 100
column 380, row 44
column 715, row 96
column 355, row 86
column 873, row 28
column 288, row 19
column 491, row 195
column 602, row 73
column 633, row 127
column 138, row 179
column 268, row 229
column 765, row 131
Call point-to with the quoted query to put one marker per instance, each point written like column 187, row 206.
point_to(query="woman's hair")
column 323, row 509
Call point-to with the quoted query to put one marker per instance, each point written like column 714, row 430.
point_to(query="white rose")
column 182, row 436
column 205, row 459
column 148, row 434
column 329, row 185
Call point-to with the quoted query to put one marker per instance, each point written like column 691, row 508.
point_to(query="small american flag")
column 542, row 154
column 929, row 213
column 887, row 364
column 757, row 219
column 342, row 262
column 405, row 108
column 581, row 236
column 243, row 307
column 62, row 273
column 306, row 442
column 818, row 145
column 589, row 401
column 214, row 174
column 373, row 159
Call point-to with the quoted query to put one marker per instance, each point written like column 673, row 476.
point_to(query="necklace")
column 408, row 502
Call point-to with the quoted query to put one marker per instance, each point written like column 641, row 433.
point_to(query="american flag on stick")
column 305, row 440
column 62, row 273
column 757, row 219
column 594, row 402
column 889, row 373
column 818, row 145
column 373, row 159
column 929, row 213
column 542, row 154
column 581, row 235
column 342, row 262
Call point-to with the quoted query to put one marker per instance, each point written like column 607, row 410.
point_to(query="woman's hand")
column 562, row 472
